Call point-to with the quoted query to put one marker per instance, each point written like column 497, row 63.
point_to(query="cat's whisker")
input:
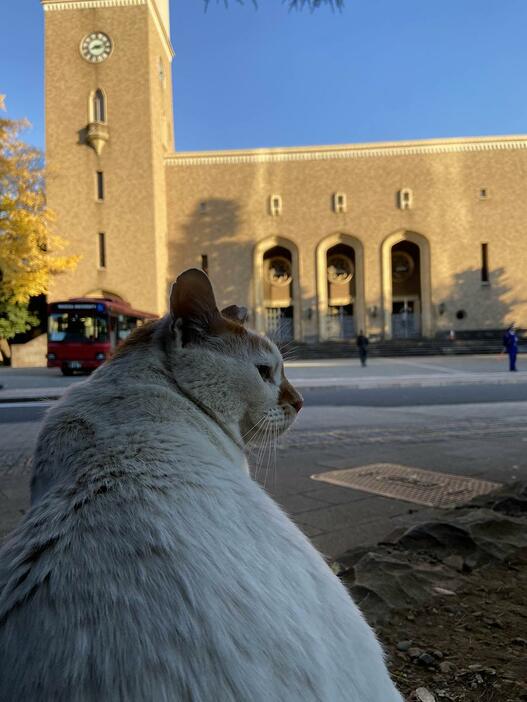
column 262, row 419
column 274, row 456
column 286, row 345
column 290, row 355
column 261, row 452
column 272, row 428
column 267, row 451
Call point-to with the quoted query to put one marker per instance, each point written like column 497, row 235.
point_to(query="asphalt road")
column 414, row 396
column 15, row 412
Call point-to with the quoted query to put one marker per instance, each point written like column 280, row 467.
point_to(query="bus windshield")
column 81, row 327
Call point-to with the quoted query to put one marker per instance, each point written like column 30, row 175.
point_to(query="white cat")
column 151, row 567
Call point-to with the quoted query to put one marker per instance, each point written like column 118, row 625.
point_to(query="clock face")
column 96, row 47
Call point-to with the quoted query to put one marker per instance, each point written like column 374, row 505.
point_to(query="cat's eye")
column 266, row 372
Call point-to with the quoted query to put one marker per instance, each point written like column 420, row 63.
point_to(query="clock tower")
column 109, row 127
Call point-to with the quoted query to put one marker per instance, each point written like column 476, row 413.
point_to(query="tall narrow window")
column 102, row 250
column 484, row 263
column 205, row 263
column 405, row 199
column 275, row 205
column 100, row 185
column 99, row 106
column 339, row 203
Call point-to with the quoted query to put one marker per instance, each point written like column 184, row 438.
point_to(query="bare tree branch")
column 313, row 4
column 291, row 4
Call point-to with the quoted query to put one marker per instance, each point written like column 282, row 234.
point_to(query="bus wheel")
column 67, row 371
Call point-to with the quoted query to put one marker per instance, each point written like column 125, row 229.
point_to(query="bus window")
column 77, row 327
column 125, row 326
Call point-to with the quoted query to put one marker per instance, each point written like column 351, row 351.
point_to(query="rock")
column 426, row 659
column 404, row 646
column 446, row 667
column 424, row 695
column 339, row 568
column 414, row 652
column 493, row 622
column 444, row 591
column 455, row 562
column 470, row 563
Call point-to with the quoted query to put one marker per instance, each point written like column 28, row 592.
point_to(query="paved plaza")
column 457, row 415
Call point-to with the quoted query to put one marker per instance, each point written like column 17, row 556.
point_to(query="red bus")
column 83, row 332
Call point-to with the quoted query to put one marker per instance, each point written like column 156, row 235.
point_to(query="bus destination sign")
column 98, row 306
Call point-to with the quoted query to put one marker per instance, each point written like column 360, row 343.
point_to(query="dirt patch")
column 448, row 599
column 471, row 646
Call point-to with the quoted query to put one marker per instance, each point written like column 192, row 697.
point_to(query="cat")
column 151, row 566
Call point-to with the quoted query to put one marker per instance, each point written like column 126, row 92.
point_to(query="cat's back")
column 172, row 588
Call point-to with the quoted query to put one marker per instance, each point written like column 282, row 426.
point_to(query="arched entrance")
column 277, row 290
column 406, row 286
column 340, row 287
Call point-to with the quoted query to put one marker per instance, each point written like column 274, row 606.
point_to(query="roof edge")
column 371, row 149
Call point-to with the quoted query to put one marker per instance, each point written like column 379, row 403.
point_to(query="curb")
column 8, row 395
column 9, row 400
column 422, row 383
column 52, row 394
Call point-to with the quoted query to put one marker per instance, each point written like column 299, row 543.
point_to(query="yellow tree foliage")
column 28, row 244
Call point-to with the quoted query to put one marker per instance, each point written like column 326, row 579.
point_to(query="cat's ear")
column 236, row 314
column 193, row 306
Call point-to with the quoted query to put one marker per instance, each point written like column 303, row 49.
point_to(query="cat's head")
column 233, row 371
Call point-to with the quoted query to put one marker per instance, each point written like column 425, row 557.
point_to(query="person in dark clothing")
column 362, row 344
column 510, row 345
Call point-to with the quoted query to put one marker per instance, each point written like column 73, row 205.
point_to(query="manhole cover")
column 424, row 487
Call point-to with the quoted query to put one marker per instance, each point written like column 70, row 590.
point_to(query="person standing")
column 362, row 345
column 510, row 344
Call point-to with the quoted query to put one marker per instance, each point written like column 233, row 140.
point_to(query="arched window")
column 98, row 106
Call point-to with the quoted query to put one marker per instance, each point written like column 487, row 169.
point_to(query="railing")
column 406, row 325
column 279, row 327
column 340, row 326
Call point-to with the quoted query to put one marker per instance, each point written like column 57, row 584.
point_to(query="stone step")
column 396, row 347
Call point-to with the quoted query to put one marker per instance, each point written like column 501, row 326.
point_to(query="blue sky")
column 380, row 70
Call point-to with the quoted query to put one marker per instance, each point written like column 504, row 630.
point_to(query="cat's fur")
column 151, row 567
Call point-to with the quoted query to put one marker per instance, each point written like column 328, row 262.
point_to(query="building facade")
column 400, row 239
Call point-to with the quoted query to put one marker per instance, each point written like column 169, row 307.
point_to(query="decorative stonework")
column 88, row 4
column 50, row 5
column 421, row 148
column 403, row 266
column 97, row 135
column 340, row 269
column 280, row 272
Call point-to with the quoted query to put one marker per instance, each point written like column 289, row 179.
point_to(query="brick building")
column 398, row 239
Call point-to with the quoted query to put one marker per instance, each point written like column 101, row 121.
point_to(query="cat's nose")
column 298, row 404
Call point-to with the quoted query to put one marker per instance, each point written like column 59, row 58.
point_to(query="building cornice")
column 51, row 5
column 348, row 151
